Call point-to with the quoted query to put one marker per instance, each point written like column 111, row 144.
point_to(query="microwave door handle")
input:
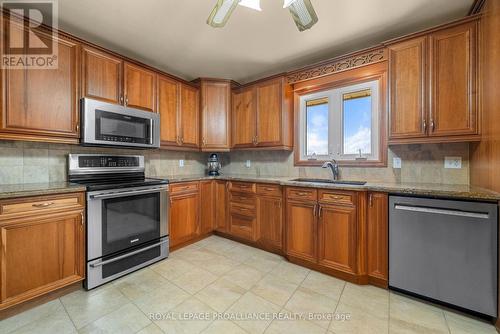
column 151, row 123
column 124, row 256
column 126, row 193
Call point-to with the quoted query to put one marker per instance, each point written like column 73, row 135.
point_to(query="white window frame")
column 336, row 124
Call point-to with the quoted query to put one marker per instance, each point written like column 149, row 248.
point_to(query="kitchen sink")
column 354, row 183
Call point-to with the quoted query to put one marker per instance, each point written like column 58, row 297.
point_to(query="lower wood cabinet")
column 337, row 237
column 43, row 246
column 221, row 220
column 301, row 230
column 270, row 221
column 207, row 206
column 184, row 222
column 378, row 238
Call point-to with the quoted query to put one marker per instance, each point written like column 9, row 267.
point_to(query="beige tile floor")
column 218, row 276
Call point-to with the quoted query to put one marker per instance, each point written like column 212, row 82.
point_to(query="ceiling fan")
column 302, row 12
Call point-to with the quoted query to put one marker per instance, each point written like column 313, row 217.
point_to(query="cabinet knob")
column 425, row 125
column 121, row 99
column 432, row 126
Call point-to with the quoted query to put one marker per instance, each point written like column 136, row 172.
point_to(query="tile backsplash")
column 26, row 162
column 420, row 164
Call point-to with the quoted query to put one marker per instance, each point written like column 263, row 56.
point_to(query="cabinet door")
column 101, row 76
column 168, row 108
column 407, row 89
column 184, row 218
column 42, row 103
column 215, row 115
column 41, row 254
column 221, row 223
column 269, row 104
column 453, row 62
column 207, row 208
column 337, row 237
column 377, row 236
column 301, row 230
column 270, row 221
column 189, row 111
column 139, row 87
column 244, row 114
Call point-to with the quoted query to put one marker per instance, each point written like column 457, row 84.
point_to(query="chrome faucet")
column 334, row 166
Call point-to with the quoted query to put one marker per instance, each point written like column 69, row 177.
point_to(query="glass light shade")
column 221, row 12
column 254, row 4
column 303, row 13
column 287, row 3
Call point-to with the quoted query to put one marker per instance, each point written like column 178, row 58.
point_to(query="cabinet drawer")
column 40, row 205
column 242, row 187
column 241, row 209
column 184, row 187
column 308, row 194
column 244, row 198
column 336, row 197
column 243, row 227
column 269, row 190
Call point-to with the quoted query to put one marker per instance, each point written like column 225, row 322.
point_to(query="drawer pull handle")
column 269, row 189
column 302, row 194
column 43, row 205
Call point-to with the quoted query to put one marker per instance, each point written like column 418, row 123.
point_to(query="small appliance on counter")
column 214, row 165
column 127, row 215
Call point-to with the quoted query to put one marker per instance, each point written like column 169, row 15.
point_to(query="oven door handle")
column 126, row 193
column 124, row 256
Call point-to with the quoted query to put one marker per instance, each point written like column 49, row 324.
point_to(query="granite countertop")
column 37, row 189
column 418, row 189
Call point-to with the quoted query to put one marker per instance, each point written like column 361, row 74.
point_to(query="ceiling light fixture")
column 302, row 12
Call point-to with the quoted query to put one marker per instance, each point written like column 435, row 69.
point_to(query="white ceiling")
column 172, row 34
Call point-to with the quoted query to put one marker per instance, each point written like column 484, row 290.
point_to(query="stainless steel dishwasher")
column 445, row 250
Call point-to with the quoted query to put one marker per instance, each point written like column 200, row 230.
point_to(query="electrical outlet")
column 396, row 162
column 181, row 163
column 453, row 162
column 248, row 163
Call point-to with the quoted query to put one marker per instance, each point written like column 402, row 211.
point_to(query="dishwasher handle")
column 442, row 211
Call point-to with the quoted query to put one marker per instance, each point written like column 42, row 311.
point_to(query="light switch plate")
column 453, row 162
column 248, row 164
column 396, row 162
column 181, row 163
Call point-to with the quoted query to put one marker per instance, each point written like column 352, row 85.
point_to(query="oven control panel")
column 108, row 161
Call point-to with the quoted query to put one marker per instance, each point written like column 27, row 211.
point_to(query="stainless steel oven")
column 127, row 215
column 115, row 125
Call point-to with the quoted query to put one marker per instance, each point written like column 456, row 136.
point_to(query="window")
column 341, row 123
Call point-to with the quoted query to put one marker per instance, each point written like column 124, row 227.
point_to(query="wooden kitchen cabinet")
column 453, row 81
column 270, row 216
column 242, row 211
column 43, row 246
column 221, row 214
column 337, row 237
column 408, row 86
column 190, row 116
column 42, row 104
column 301, row 230
column 378, row 238
column 243, row 118
column 102, row 76
column 434, row 86
column 139, row 87
column 265, row 110
column 184, row 222
column 215, row 115
column 207, row 206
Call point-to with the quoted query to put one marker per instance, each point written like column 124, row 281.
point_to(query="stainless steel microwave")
column 107, row 124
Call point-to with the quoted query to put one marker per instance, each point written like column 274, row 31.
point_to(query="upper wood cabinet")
column 215, row 115
column 139, row 87
column 42, row 104
column 179, row 115
column 102, row 76
column 433, row 86
column 377, row 238
column 262, row 116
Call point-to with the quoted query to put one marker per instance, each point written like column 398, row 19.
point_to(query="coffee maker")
column 213, row 165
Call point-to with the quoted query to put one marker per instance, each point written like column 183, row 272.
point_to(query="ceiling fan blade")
column 302, row 13
column 221, row 12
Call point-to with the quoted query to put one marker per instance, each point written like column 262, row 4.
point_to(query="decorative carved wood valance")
column 339, row 64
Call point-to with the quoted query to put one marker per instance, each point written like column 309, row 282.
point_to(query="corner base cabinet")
column 42, row 246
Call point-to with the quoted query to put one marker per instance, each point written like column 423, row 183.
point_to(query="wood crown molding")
column 339, row 64
column 476, row 7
